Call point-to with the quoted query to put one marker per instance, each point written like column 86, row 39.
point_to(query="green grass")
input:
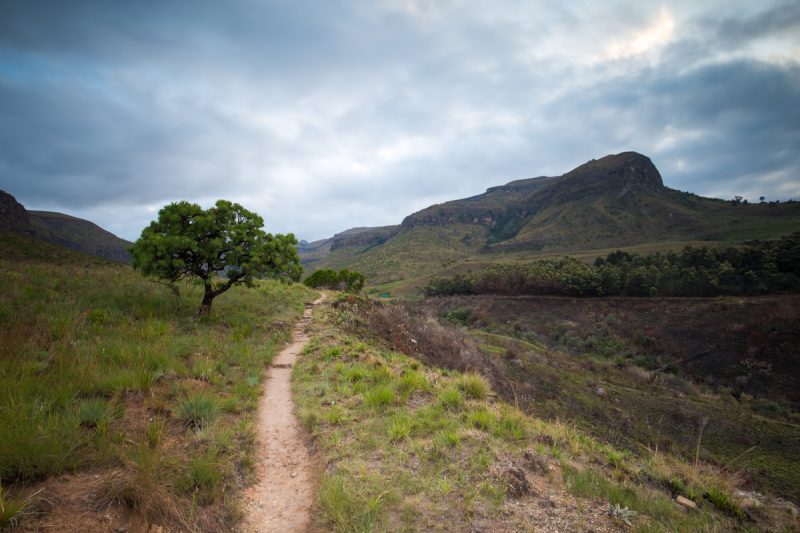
column 411, row 461
column 197, row 410
column 451, row 398
column 10, row 509
column 474, row 386
column 379, row 397
column 346, row 505
column 98, row 366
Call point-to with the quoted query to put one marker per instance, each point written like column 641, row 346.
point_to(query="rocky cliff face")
column 13, row 216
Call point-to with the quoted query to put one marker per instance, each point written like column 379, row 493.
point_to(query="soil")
column 282, row 499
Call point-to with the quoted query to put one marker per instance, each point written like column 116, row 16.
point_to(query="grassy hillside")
column 79, row 234
column 560, row 350
column 413, row 447
column 412, row 253
column 115, row 381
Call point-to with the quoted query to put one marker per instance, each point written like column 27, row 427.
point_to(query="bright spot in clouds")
column 657, row 34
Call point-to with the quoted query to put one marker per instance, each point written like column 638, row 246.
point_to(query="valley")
column 547, row 354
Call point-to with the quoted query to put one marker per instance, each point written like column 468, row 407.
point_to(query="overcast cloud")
column 330, row 114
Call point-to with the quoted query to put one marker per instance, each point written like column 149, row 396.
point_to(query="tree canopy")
column 217, row 247
column 347, row 280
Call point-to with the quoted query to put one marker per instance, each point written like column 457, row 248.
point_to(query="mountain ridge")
column 62, row 229
column 615, row 201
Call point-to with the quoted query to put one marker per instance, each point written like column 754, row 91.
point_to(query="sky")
column 329, row 114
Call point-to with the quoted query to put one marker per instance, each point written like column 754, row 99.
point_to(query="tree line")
column 761, row 267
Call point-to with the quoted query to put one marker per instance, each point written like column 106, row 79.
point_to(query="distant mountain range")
column 616, row 201
column 58, row 228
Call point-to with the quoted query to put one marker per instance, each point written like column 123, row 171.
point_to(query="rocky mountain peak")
column 627, row 169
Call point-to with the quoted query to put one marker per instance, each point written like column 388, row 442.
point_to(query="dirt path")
column 281, row 501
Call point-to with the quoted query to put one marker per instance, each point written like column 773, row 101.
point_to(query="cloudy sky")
column 323, row 115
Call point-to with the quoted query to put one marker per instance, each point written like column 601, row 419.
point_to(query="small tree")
column 188, row 241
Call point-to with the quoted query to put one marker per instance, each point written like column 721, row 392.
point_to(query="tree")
column 344, row 279
column 217, row 248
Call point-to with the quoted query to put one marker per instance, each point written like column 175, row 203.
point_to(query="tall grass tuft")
column 197, row 410
column 346, row 508
column 451, row 399
column 474, row 385
column 380, row 396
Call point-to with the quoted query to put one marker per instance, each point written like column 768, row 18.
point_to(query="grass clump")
column 400, row 428
column 481, row 418
column 451, row 399
column 412, row 381
column 722, row 500
column 347, row 507
column 474, row 385
column 10, row 509
column 379, row 397
column 204, row 478
column 447, row 439
column 511, row 425
column 197, row 410
column 92, row 412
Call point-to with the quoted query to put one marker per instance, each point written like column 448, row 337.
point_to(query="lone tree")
column 217, row 247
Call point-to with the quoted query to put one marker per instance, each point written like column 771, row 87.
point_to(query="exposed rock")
column 768, row 512
column 686, row 502
column 13, row 216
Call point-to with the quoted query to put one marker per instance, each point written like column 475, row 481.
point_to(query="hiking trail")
column 282, row 498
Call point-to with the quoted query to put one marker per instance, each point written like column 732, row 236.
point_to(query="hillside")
column 58, row 228
column 414, row 439
column 617, row 201
column 119, row 408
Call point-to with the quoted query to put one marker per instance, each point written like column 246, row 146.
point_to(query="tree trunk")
column 208, row 297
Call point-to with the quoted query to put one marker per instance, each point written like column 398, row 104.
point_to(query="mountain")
column 65, row 230
column 616, row 201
